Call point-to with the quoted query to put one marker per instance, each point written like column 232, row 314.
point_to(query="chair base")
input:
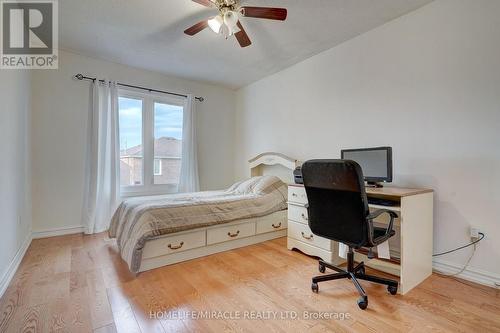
column 352, row 273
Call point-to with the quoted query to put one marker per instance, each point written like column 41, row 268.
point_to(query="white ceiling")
column 149, row 34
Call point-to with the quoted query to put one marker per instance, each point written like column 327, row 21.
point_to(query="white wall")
column 60, row 111
column 427, row 84
column 15, row 187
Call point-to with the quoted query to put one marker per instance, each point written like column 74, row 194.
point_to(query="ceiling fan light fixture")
column 235, row 29
column 231, row 18
column 225, row 31
column 216, row 23
column 227, row 22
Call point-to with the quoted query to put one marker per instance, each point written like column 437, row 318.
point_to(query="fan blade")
column 242, row 36
column 206, row 3
column 265, row 13
column 196, row 28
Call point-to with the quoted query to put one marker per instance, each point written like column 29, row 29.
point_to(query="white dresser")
column 300, row 236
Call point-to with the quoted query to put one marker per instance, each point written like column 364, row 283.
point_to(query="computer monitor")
column 376, row 163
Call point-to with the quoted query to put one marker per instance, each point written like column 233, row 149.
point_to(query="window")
column 131, row 152
column 150, row 143
column 157, row 167
column 168, row 142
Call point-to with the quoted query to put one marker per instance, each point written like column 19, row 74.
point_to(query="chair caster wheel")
column 314, row 287
column 321, row 268
column 392, row 289
column 363, row 302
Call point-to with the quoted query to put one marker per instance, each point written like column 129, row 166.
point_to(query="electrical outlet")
column 474, row 233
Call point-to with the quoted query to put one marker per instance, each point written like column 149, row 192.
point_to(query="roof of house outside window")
column 163, row 147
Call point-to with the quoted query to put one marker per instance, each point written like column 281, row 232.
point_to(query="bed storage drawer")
column 297, row 194
column 302, row 233
column 174, row 244
column 298, row 214
column 229, row 233
column 270, row 225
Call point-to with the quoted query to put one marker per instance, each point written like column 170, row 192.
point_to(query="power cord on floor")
column 468, row 260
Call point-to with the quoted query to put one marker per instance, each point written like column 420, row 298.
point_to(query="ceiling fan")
column 227, row 21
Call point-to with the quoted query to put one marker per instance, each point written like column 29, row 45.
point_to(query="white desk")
column 414, row 227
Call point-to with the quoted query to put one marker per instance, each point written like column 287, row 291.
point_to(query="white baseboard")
column 470, row 274
column 58, row 232
column 14, row 265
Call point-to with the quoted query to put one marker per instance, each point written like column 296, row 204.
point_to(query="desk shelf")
column 393, row 208
column 396, row 261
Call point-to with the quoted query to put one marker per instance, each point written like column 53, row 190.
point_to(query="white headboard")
column 275, row 164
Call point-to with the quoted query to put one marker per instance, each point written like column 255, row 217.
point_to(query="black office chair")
column 338, row 210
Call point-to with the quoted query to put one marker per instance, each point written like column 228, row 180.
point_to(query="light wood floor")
column 79, row 284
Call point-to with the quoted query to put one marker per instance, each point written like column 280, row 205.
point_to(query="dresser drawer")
column 270, row 225
column 297, row 194
column 302, row 233
column 298, row 214
column 224, row 234
column 174, row 244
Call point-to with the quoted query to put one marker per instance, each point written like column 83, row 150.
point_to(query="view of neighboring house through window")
column 157, row 167
column 150, row 143
column 131, row 152
column 168, row 142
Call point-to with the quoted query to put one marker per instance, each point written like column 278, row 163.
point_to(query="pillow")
column 257, row 185
column 268, row 184
column 235, row 186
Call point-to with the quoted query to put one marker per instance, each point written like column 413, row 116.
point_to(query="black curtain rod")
column 82, row 77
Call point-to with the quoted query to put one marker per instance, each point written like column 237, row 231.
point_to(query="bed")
column 160, row 230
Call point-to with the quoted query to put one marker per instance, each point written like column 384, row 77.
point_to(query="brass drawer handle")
column 276, row 226
column 308, row 238
column 305, row 217
column 175, row 247
column 233, row 235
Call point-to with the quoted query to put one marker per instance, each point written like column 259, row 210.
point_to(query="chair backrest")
column 338, row 206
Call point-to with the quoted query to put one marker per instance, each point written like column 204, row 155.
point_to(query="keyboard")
column 382, row 202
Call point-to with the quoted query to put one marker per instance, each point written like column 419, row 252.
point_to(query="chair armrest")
column 379, row 212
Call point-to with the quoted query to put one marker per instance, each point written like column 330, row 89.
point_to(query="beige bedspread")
column 138, row 220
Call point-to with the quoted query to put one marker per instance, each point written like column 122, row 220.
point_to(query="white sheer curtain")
column 102, row 183
column 189, row 181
